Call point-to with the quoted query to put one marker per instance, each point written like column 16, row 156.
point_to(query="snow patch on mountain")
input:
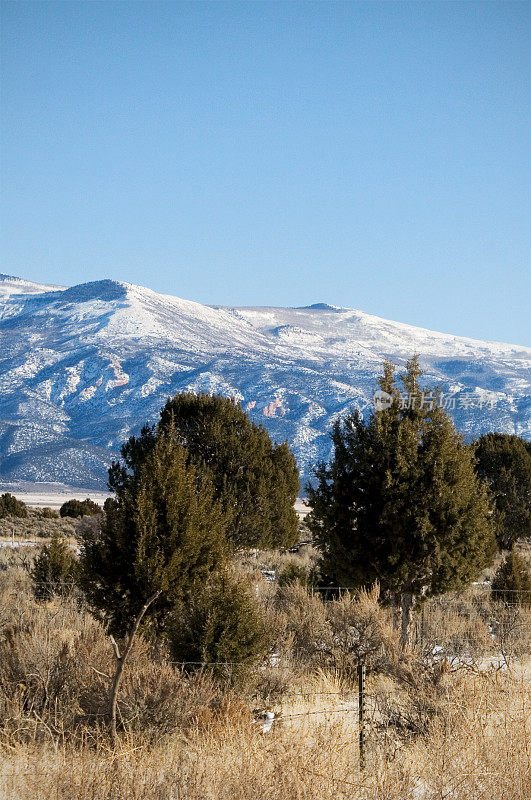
column 9, row 284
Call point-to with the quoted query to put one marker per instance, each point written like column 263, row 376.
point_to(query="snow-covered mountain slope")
column 11, row 285
column 82, row 368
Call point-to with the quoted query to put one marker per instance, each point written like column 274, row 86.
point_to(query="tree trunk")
column 116, row 681
column 406, row 604
column 120, row 664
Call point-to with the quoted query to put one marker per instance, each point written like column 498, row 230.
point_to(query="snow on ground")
column 9, row 284
column 301, row 508
column 15, row 544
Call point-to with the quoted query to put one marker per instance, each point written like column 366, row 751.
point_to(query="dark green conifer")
column 504, row 462
column 163, row 532
column 512, row 582
column 55, row 568
column 255, row 480
column 79, row 508
column 219, row 621
column 11, row 507
column 400, row 503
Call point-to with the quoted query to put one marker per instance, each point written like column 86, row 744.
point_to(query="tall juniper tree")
column 255, row 480
column 163, row 536
column 163, row 532
column 400, row 502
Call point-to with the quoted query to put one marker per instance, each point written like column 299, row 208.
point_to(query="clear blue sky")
column 372, row 155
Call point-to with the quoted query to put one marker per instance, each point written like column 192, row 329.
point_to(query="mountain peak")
column 320, row 307
column 105, row 289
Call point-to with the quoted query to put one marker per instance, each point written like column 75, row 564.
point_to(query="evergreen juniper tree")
column 512, row 582
column 504, row 462
column 159, row 559
column 400, row 503
column 11, row 507
column 220, row 622
column 255, row 480
column 54, row 569
column 164, row 532
column 79, row 508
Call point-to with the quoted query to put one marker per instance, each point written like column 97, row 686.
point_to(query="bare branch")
column 120, row 663
column 115, row 647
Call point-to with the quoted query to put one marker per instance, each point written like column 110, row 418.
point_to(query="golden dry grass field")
column 449, row 728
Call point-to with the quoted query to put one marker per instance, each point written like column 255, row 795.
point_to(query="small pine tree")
column 11, row 507
column 54, row 569
column 512, row 582
column 219, row 622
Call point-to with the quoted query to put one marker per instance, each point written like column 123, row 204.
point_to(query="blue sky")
column 371, row 155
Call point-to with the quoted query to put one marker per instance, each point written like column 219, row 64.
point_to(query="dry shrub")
column 361, row 630
column 304, row 562
column 472, row 627
column 446, row 631
column 295, row 572
column 512, row 630
column 55, row 668
column 156, row 700
column 477, row 750
column 87, row 528
column 479, row 747
column 301, row 567
column 303, row 620
column 274, row 682
column 17, row 558
column 44, row 669
column 336, row 634
column 35, row 525
column 432, row 733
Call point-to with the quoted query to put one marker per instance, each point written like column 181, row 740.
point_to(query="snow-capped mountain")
column 82, row 368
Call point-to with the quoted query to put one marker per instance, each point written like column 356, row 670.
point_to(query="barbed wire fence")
column 362, row 710
column 360, row 717
column 357, row 706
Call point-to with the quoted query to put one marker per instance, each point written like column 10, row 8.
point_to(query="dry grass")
column 472, row 626
column 35, row 527
column 452, row 732
column 478, row 749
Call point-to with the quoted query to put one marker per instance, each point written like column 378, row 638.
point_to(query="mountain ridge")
column 83, row 367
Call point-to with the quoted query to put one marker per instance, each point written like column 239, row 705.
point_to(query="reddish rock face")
column 273, row 407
